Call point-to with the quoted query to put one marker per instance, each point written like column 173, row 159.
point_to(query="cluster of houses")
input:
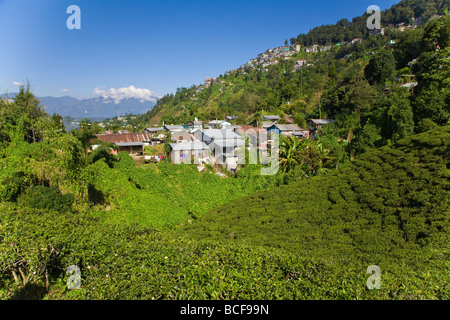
column 414, row 23
column 217, row 142
column 273, row 56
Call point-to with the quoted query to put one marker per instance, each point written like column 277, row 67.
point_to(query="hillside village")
column 273, row 56
column 217, row 142
column 220, row 142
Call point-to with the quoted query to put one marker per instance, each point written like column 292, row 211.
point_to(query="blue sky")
column 154, row 45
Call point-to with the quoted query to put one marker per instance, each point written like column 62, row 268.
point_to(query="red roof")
column 131, row 137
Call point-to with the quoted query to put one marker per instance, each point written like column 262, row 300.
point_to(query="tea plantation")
column 310, row 239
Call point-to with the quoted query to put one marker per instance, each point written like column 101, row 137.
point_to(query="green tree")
column 437, row 34
column 400, row 115
column 432, row 93
column 366, row 138
column 380, row 68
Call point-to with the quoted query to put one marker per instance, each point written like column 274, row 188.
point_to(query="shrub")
column 48, row 198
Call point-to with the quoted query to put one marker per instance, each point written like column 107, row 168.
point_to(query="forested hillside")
column 345, row 30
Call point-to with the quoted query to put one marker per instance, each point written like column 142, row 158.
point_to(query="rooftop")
column 124, row 138
column 220, row 134
column 288, row 127
column 186, row 146
column 321, row 121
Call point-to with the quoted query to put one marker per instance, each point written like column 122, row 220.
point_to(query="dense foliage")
column 388, row 208
column 372, row 188
column 345, row 30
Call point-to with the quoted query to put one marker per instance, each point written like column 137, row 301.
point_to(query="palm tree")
column 288, row 153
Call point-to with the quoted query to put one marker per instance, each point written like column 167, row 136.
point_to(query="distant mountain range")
column 97, row 107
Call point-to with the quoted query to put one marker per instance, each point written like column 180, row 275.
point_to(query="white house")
column 224, row 145
column 195, row 152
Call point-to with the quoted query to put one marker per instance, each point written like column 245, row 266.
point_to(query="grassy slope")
column 164, row 195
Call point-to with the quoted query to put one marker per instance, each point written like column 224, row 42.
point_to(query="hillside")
column 390, row 81
column 345, row 30
column 371, row 188
column 312, row 239
column 393, row 196
column 390, row 208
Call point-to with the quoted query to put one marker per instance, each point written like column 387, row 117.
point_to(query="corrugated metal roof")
column 174, row 127
column 154, row 129
column 122, row 138
column 288, row 127
column 130, row 144
column 271, row 117
column 321, row 121
column 267, row 124
column 219, row 134
column 186, row 146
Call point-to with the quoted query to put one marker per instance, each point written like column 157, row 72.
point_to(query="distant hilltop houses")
column 273, row 56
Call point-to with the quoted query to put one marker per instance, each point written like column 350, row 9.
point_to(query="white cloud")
column 16, row 83
column 125, row 93
column 65, row 90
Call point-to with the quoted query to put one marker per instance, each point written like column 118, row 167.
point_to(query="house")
column 303, row 134
column 409, row 85
column 271, row 118
column 412, row 62
column 318, row 123
column 286, row 130
column 174, row 128
column 153, row 130
column 195, row 152
column 356, row 40
column 300, row 64
column 181, row 137
column 193, row 125
column 219, row 124
column 289, row 119
column 230, row 118
column 210, row 135
column 377, row 31
column 132, row 143
column 314, row 48
column 267, row 124
column 224, row 144
column 257, row 136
